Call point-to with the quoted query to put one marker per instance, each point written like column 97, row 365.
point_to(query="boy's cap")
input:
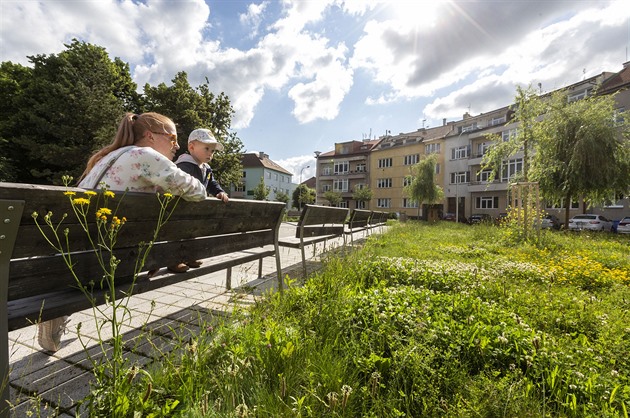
column 205, row 136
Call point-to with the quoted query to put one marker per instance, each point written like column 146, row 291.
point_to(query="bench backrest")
column 359, row 218
column 318, row 220
column 29, row 266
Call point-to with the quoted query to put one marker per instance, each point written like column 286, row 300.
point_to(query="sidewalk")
column 51, row 385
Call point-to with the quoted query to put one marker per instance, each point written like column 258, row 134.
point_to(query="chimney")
column 466, row 116
column 444, row 122
column 262, row 155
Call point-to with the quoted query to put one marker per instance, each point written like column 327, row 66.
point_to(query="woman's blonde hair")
column 131, row 129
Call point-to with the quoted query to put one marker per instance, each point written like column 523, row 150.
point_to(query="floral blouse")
column 142, row 169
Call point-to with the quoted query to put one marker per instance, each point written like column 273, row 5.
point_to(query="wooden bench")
column 316, row 224
column 36, row 284
column 378, row 220
column 359, row 221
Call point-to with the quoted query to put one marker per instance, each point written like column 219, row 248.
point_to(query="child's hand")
column 223, row 196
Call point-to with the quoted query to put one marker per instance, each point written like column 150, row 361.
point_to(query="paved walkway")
column 51, row 385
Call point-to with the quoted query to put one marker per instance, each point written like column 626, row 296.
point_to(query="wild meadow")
column 426, row 320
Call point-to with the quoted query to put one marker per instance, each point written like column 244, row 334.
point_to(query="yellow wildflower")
column 80, row 201
column 69, row 193
column 168, row 195
column 109, row 193
column 105, row 211
column 90, row 193
column 103, row 218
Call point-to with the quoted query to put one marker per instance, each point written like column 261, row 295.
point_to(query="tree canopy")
column 261, row 191
column 303, row 195
column 423, row 187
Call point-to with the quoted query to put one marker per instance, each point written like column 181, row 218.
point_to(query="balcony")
column 483, row 186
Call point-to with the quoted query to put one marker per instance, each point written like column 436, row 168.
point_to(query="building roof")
column 617, row 81
column 260, row 159
column 352, row 147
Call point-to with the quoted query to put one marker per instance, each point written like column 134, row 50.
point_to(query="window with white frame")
column 360, row 186
column 407, row 181
column 383, row 203
column 326, row 188
column 340, row 185
column 468, row 128
column 619, row 115
column 432, row 148
column 437, row 168
column 487, row 202
column 508, row 134
column 384, row 162
column 327, row 171
column 484, row 175
column 361, row 168
column 497, row 121
column 411, row 159
column 276, row 177
column 460, row 152
column 460, row 177
column 343, row 204
column 361, row 204
column 482, row 148
column 342, row 167
column 578, row 95
column 240, row 187
column 410, row 203
column 384, row 183
column 269, row 175
column 614, row 201
column 511, row 168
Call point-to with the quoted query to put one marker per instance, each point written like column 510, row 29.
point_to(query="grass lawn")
column 441, row 320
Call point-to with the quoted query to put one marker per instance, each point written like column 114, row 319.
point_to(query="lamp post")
column 301, row 189
column 316, row 174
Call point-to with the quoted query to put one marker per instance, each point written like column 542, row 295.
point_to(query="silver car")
column 624, row 226
column 590, row 222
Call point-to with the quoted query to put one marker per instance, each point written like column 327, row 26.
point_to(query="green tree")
column 333, row 197
column 303, row 195
column 364, row 194
column 261, row 192
column 422, row 186
column 581, row 151
column 193, row 108
column 62, row 110
column 282, row 197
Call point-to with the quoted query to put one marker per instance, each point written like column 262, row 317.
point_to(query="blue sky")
column 303, row 75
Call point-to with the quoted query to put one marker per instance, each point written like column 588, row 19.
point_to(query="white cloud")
column 253, row 18
column 303, row 163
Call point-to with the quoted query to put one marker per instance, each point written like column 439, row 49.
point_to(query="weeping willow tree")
column 422, row 186
column 583, row 150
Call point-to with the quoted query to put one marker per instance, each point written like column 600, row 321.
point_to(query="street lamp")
column 301, row 189
column 316, row 173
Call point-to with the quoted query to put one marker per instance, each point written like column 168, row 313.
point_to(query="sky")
column 303, row 75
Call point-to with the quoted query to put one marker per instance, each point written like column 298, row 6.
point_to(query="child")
column 201, row 148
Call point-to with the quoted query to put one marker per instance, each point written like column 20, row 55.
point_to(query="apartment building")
column 390, row 167
column 257, row 165
column 344, row 170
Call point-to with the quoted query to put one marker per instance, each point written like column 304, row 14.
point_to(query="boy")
column 201, row 147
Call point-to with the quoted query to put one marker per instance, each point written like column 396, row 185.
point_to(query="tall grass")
column 441, row 320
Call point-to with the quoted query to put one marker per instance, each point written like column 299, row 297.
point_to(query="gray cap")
column 205, row 136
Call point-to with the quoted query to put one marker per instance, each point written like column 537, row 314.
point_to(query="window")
column 509, row 134
column 239, row 187
column 437, row 168
column 384, row 183
column 342, row 167
column 460, row 152
column 359, row 186
column 327, row 171
column 578, row 95
column 614, row 201
column 276, row 177
column 342, row 204
column 340, row 185
column 383, row 203
column 511, row 168
column 361, row 168
column 269, row 174
column 410, row 203
column 432, row 149
column 362, row 204
column 326, row 188
column 484, row 175
column 412, row 159
column 468, row 128
column 487, row 202
column 482, row 148
column 461, row 177
column 384, row 162
column 407, row 181
column 497, row 121
column 244, row 174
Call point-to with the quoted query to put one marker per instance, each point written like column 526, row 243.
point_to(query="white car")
column 624, row 226
column 590, row 222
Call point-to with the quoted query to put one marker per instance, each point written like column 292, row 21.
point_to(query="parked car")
column 624, row 226
column 501, row 218
column 590, row 222
column 478, row 218
column 448, row 217
column 550, row 221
